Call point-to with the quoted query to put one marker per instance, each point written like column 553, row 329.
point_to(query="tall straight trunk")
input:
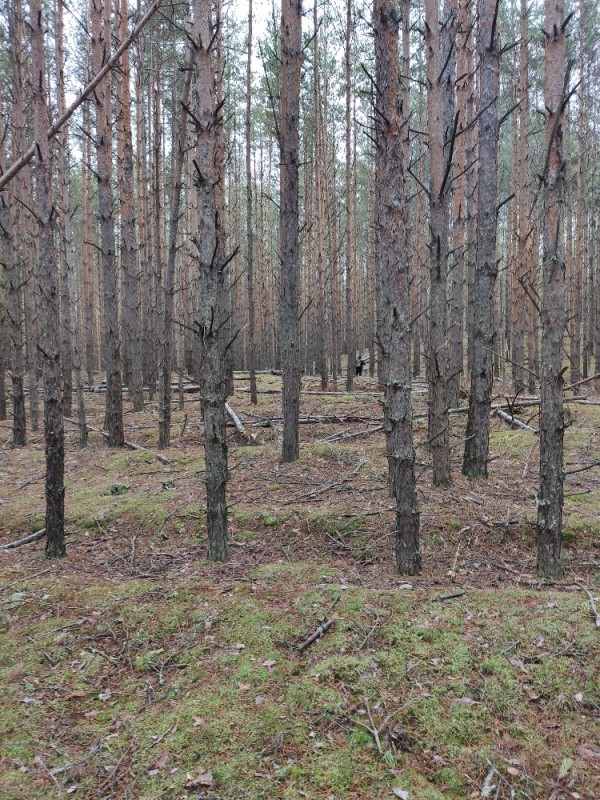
column 64, row 222
column 213, row 304
column 320, row 167
column 166, row 358
column 250, row 220
column 289, row 130
column 89, row 253
column 554, row 306
column 132, row 362
column 114, row 401
column 580, row 260
column 475, row 462
column 12, row 332
column 393, row 323
column 521, row 302
column 48, row 288
column 23, row 293
column 439, row 199
column 350, row 333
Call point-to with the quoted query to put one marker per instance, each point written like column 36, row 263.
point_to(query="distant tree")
column 475, row 461
column 101, row 38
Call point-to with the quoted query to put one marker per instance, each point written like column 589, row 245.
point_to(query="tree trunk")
column 12, row 332
column 554, row 309
column 393, row 328
column 475, row 462
column 49, row 297
column 213, row 305
column 64, row 223
column 166, row 359
column 439, row 199
column 114, row 401
column 250, row 220
column 132, row 362
column 289, row 123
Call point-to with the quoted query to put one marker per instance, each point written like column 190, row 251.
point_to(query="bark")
column 439, row 199
column 350, row 333
column 318, row 335
column 132, row 362
column 289, row 340
column 112, row 345
column 179, row 145
column 48, row 288
column 21, row 298
column 64, row 223
column 213, row 305
column 521, row 302
column 393, row 323
column 12, row 329
column 554, row 308
column 475, row 462
column 580, row 260
column 250, row 220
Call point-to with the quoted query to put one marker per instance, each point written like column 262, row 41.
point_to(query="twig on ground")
column 131, row 445
column 315, row 636
column 440, row 598
column 375, row 730
column 593, row 609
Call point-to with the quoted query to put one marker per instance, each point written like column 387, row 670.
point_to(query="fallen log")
column 514, row 421
column 236, row 420
column 131, row 445
column 32, row 537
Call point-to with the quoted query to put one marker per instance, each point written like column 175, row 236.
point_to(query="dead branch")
column 514, row 421
column 315, row 636
column 33, row 537
column 593, row 609
column 131, row 445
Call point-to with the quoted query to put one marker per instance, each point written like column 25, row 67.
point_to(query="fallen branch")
column 593, row 609
column 583, row 469
column 440, row 598
column 33, row 537
column 514, row 421
column 236, row 420
column 314, row 637
column 131, row 445
column 582, row 381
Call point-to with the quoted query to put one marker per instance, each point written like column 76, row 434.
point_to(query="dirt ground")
column 332, row 506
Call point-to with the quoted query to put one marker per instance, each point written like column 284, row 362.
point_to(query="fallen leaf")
column 202, row 779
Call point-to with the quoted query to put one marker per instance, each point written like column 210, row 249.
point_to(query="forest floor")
column 135, row 669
